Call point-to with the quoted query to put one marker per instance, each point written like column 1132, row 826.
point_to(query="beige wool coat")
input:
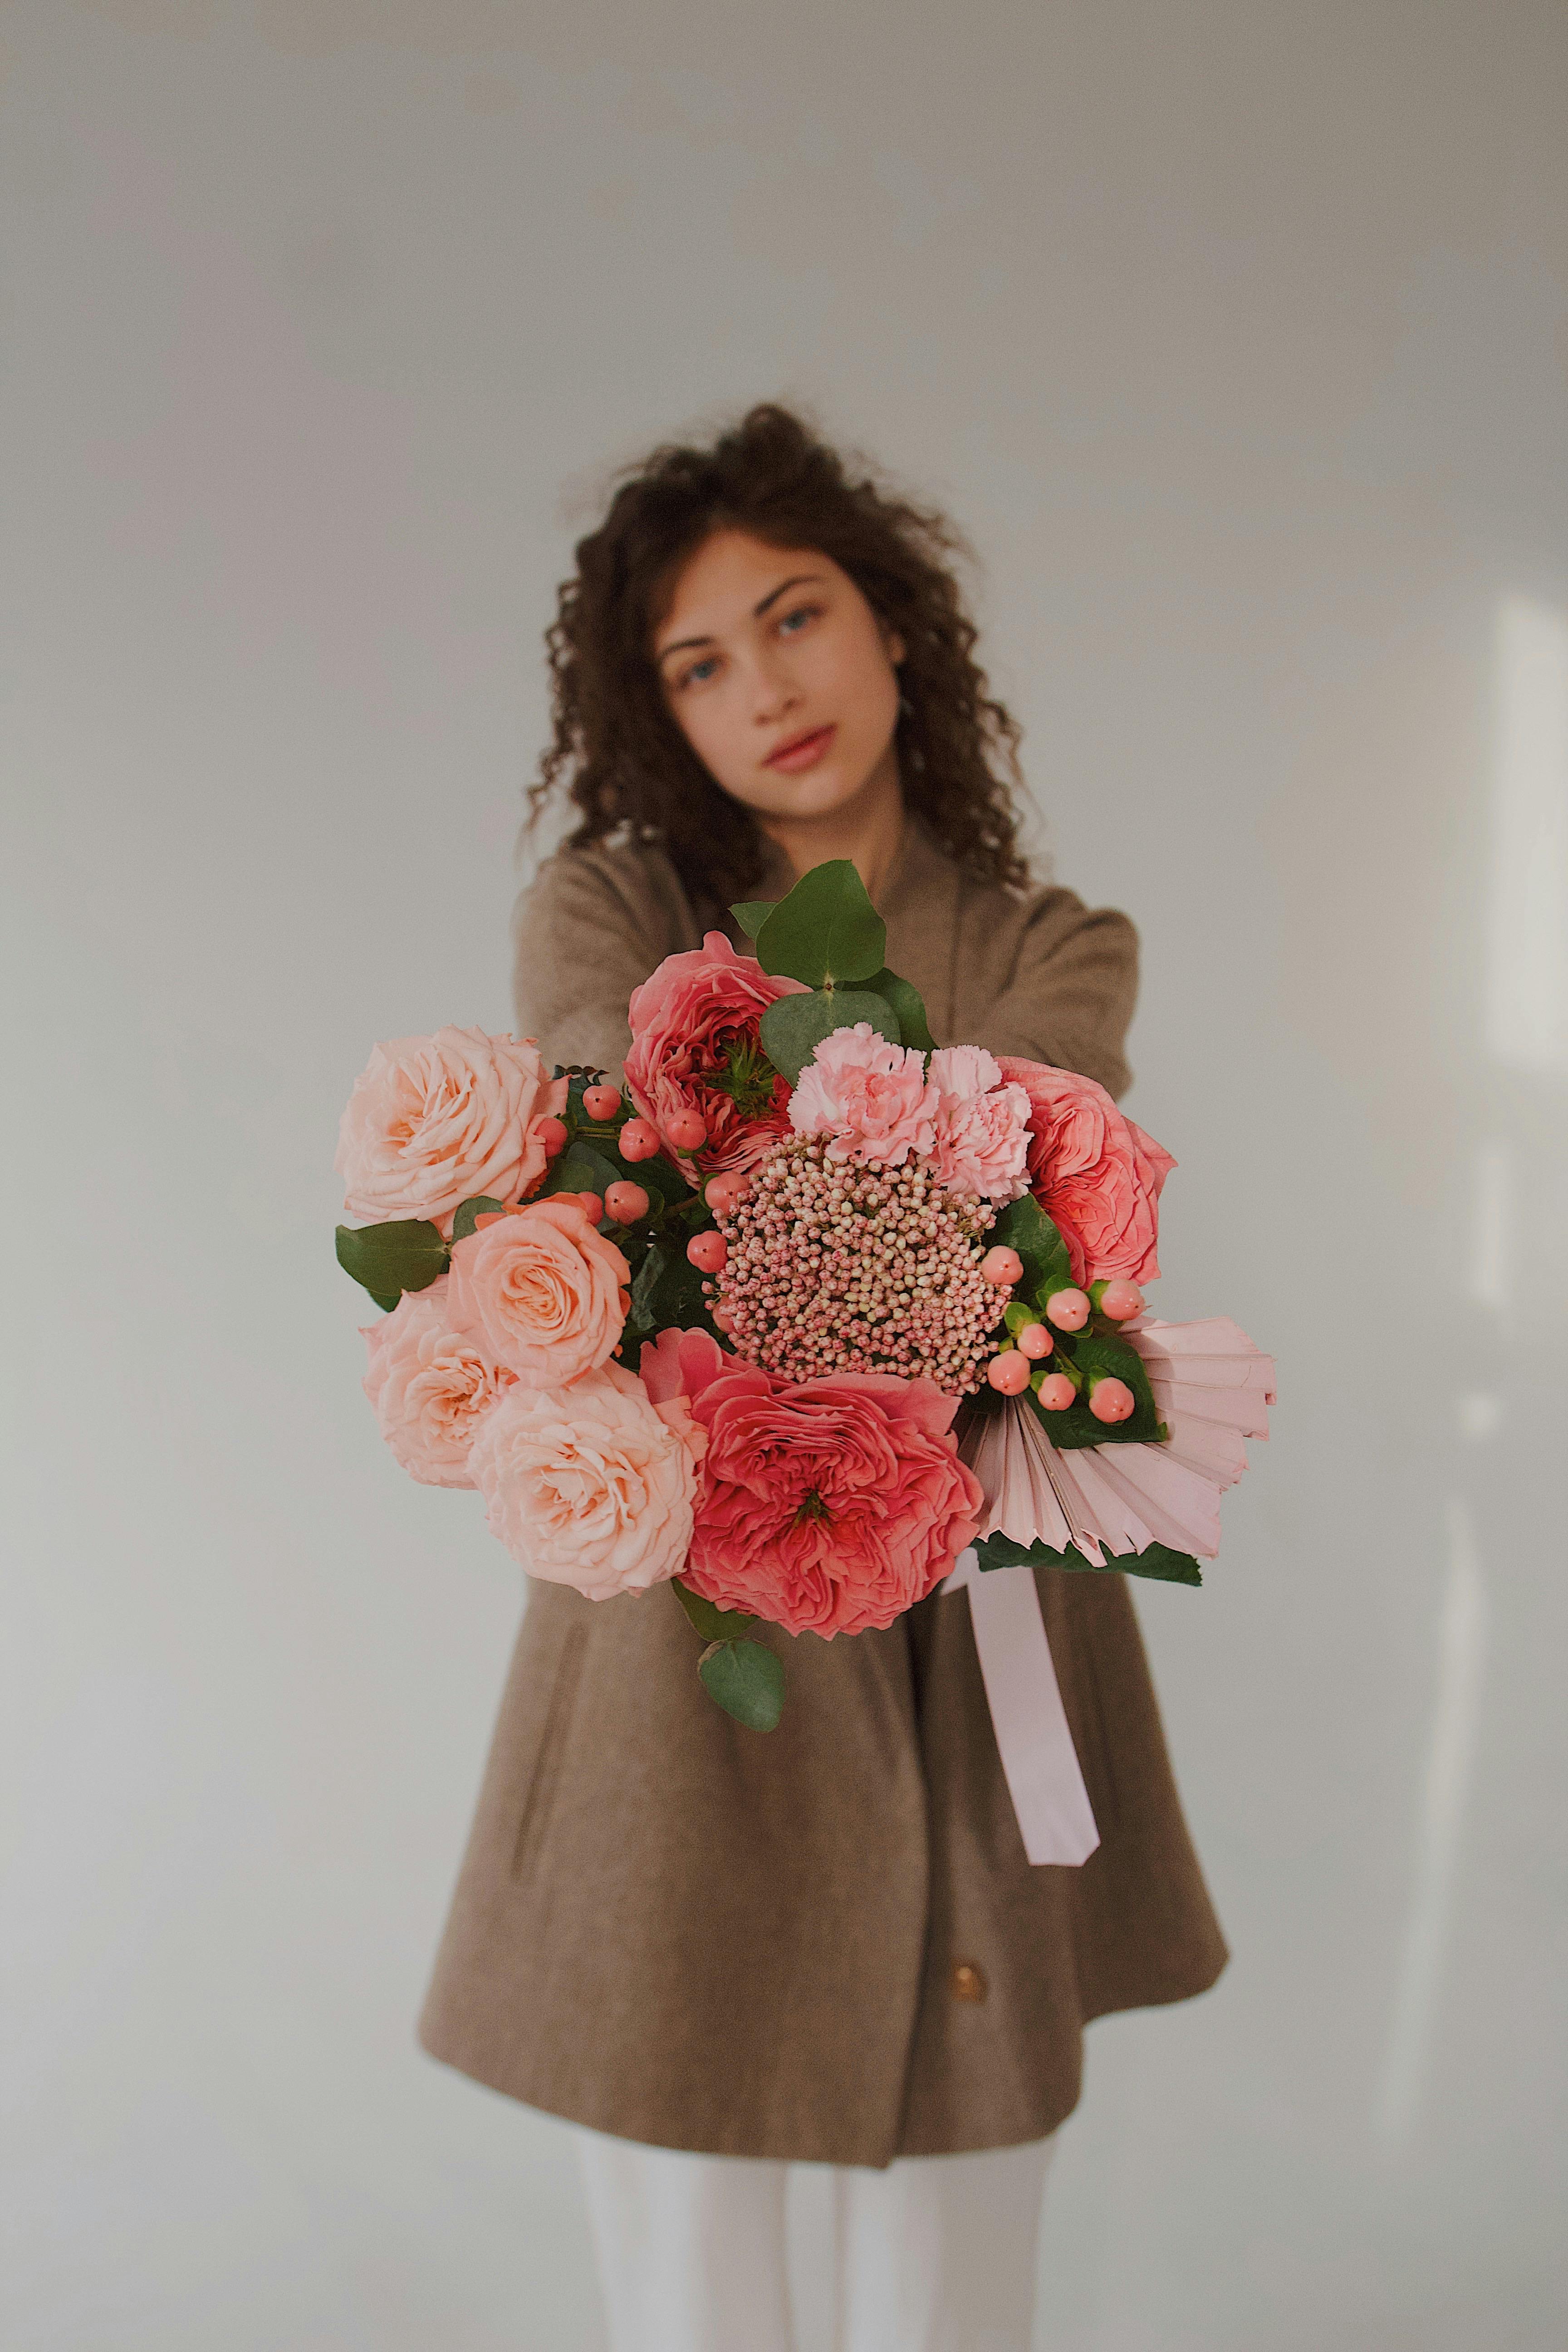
column 822, row 1942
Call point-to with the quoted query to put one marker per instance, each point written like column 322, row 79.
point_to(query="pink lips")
column 802, row 750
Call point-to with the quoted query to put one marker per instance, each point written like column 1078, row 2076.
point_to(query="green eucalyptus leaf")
column 714, row 1624
column 793, row 1027
column 752, row 914
column 582, row 1168
column 746, row 1680
column 907, row 1003
column 408, row 1253
column 827, row 933
column 667, row 1293
column 387, row 1300
column 468, row 1213
column 1169, row 1566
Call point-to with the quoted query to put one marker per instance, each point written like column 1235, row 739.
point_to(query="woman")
column 826, row 1943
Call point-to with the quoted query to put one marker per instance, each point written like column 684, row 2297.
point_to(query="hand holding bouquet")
column 814, row 1316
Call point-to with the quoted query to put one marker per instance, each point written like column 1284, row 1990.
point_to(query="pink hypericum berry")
column 1034, row 1341
column 625, row 1202
column 1009, row 1372
column 593, row 1207
column 638, row 1140
column 1112, row 1401
column 552, row 1133
column 706, row 1251
column 722, row 1193
column 1055, row 1393
column 601, row 1102
column 1069, row 1309
column 1002, row 1265
column 686, row 1130
column 1119, row 1300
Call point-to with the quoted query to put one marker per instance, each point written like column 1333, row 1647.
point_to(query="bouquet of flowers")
column 812, row 1319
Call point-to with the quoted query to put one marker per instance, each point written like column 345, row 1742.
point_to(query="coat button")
column 967, row 1980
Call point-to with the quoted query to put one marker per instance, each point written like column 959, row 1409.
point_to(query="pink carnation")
column 434, row 1122
column 829, row 1506
column 1093, row 1171
column 696, row 1047
column 982, row 1126
column 591, row 1485
column 545, row 1290
column 872, row 1100
column 432, row 1385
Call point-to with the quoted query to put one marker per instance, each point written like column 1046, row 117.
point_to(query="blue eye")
column 698, row 670
column 792, row 621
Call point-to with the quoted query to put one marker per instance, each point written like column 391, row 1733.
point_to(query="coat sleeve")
column 1071, row 992
column 587, row 930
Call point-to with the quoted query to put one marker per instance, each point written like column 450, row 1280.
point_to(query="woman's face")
column 781, row 677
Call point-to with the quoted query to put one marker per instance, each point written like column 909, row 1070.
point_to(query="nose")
column 773, row 694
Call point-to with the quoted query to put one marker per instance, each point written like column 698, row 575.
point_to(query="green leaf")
column 907, row 1003
column 406, row 1255
column 667, row 1294
column 468, row 1212
column 747, row 1681
column 1169, row 1566
column 386, row 1301
column 752, row 914
column 827, row 933
column 1024, row 1226
column 714, row 1624
column 793, row 1027
column 582, row 1168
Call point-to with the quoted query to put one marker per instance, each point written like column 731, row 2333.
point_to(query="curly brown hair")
column 625, row 763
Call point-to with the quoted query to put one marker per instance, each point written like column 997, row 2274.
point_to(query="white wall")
column 1235, row 335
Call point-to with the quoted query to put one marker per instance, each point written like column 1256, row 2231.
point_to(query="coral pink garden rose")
column 829, row 1506
column 431, row 1386
column 434, row 1122
column 591, row 1485
column 872, row 1100
column 695, row 1047
column 982, row 1126
column 544, row 1289
column 1091, row 1170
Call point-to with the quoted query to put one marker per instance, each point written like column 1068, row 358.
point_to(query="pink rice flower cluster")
column 834, row 1268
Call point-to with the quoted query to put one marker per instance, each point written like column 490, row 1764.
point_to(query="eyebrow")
column 798, row 580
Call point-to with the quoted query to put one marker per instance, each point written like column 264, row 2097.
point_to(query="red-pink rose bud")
column 706, row 1251
column 1112, row 1401
column 638, row 1139
column 1002, row 1265
column 1068, row 1309
column 593, row 1207
column 1009, row 1372
column 625, row 1202
column 1055, row 1393
column 601, row 1102
column 1120, row 1300
column 686, row 1130
column 1035, row 1341
column 552, row 1133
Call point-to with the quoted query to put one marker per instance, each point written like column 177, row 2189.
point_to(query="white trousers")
column 935, row 2254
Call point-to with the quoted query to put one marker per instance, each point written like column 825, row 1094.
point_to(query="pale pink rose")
column 872, row 1100
column 696, row 1047
column 589, row 1485
column 1093, row 1171
column 829, row 1506
column 431, row 1386
column 545, row 1290
column 982, row 1126
column 435, row 1121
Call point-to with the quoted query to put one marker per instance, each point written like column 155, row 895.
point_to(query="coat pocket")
column 538, row 1799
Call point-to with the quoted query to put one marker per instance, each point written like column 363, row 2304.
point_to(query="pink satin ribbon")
column 1033, row 1735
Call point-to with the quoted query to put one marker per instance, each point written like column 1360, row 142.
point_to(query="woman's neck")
column 868, row 830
